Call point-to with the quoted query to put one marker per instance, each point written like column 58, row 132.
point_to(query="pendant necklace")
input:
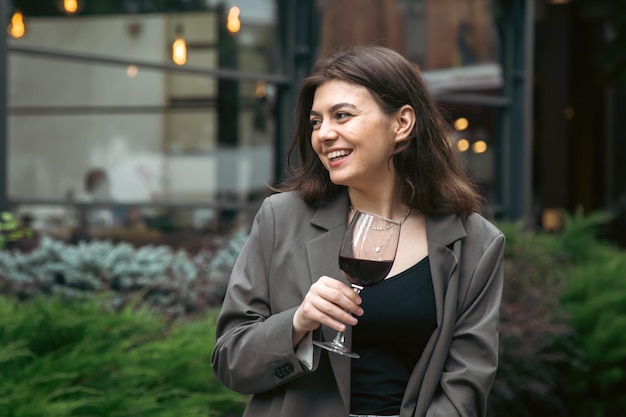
column 378, row 248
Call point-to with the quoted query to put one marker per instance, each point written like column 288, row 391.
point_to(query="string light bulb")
column 179, row 48
column 17, row 27
column 70, row 6
column 480, row 146
column 233, row 24
column 461, row 124
column 463, row 145
column 179, row 51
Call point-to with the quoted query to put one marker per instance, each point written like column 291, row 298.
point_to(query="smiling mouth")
column 337, row 154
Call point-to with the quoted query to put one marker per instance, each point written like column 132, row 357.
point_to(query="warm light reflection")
column 461, row 124
column 17, row 28
column 179, row 51
column 232, row 23
column 569, row 113
column 260, row 89
column 132, row 71
column 551, row 219
column 463, row 145
column 480, row 146
column 70, row 6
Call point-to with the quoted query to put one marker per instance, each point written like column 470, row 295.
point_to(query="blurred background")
column 162, row 120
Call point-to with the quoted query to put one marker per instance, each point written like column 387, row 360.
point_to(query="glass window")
column 105, row 127
column 146, row 30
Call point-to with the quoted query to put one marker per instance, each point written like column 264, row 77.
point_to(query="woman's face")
column 351, row 135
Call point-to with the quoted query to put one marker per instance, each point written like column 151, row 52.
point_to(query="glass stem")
column 357, row 288
column 340, row 337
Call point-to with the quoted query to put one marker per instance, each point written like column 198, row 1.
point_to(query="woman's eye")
column 342, row 115
column 315, row 123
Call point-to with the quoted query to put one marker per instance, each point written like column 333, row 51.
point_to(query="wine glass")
column 366, row 256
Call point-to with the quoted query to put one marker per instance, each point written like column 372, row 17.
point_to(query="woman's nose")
column 326, row 131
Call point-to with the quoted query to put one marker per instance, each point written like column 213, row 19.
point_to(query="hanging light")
column 70, row 6
column 233, row 24
column 463, row 145
column 480, row 146
column 461, row 124
column 17, row 27
column 179, row 48
column 179, row 51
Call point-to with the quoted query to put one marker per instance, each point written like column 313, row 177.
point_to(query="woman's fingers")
column 338, row 293
column 329, row 302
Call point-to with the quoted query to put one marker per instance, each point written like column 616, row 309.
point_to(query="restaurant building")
column 143, row 119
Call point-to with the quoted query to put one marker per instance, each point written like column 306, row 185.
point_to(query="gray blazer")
column 290, row 246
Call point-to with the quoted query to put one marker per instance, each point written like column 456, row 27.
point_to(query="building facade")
column 183, row 109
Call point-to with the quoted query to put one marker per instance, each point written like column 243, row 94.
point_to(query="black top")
column 399, row 318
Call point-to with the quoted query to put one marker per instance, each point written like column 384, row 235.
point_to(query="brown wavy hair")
column 430, row 175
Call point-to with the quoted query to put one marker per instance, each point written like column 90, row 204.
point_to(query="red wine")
column 364, row 272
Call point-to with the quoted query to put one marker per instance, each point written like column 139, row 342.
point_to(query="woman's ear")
column 405, row 118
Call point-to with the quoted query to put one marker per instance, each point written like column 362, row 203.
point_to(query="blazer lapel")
column 323, row 252
column 444, row 233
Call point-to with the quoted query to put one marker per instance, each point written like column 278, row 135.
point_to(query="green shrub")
column 531, row 325
column 563, row 323
column 595, row 297
column 562, row 330
column 74, row 358
column 580, row 236
column 173, row 282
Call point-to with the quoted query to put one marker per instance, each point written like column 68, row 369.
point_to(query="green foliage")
column 531, row 323
column 595, row 296
column 79, row 335
column 562, row 329
column 172, row 282
column 579, row 237
column 11, row 230
column 563, row 325
column 60, row 358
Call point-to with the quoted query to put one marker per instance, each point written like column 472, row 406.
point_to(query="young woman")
column 368, row 137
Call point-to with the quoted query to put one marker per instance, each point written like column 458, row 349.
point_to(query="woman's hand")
column 329, row 302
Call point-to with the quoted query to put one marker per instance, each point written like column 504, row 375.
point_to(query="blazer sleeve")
column 253, row 351
column 472, row 361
